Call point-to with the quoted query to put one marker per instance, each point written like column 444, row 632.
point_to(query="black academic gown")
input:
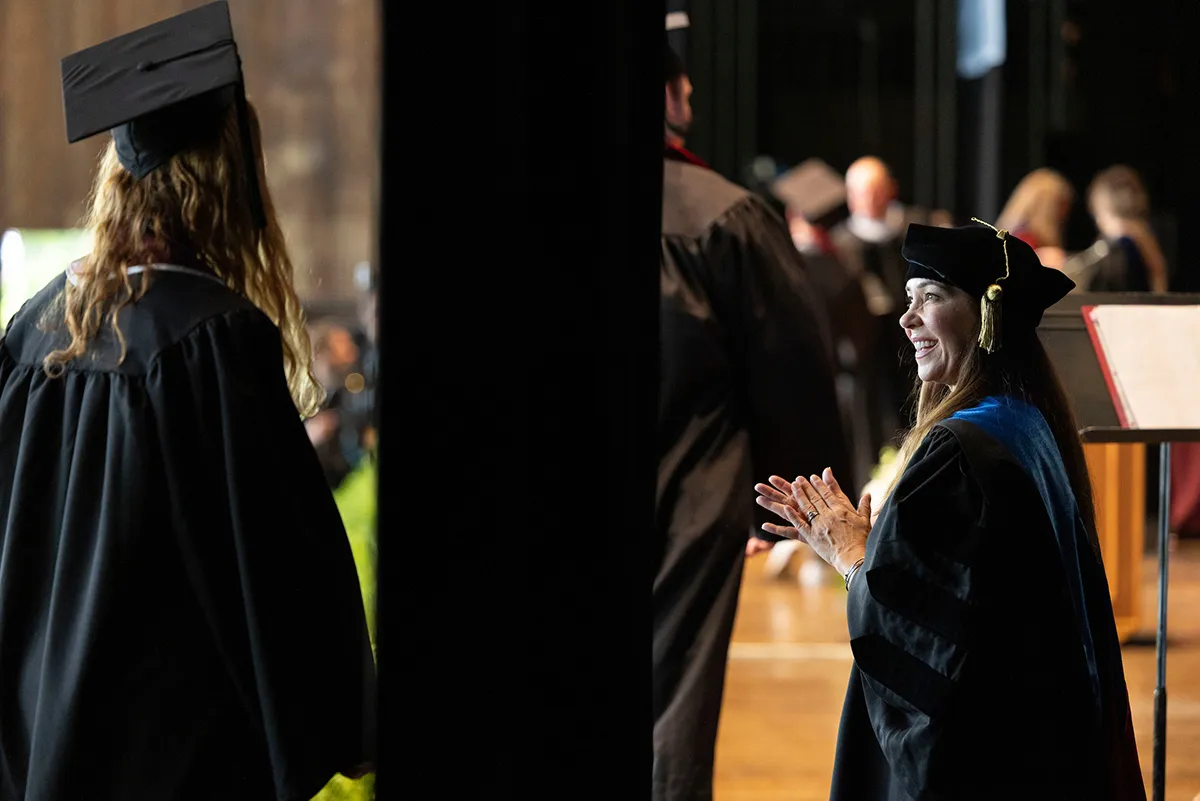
column 746, row 391
column 973, row 675
column 180, row 616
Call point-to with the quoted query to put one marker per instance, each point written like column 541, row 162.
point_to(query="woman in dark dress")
column 986, row 659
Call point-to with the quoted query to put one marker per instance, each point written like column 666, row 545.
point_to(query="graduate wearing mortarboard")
column 747, row 385
column 180, row 616
column 986, row 659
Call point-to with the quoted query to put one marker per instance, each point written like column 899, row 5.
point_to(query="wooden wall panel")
column 311, row 70
column 1118, row 484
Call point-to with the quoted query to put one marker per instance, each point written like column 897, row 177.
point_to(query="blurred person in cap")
column 986, row 659
column 180, row 615
column 814, row 199
column 747, row 384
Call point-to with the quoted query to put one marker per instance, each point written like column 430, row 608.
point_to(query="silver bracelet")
column 850, row 573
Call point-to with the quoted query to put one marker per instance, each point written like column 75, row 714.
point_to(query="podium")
column 1116, row 459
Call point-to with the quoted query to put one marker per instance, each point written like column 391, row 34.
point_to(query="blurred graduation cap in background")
column 160, row 90
column 815, row 191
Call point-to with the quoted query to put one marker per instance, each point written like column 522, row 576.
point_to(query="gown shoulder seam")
column 228, row 315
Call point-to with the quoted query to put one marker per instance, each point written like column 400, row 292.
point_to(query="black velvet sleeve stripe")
column 925, row 604
column 922, row 687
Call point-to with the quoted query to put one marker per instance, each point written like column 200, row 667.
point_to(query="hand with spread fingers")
column 819, row 514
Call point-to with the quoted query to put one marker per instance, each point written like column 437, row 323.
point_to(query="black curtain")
column 519, row 211
column 980, row 146
column 721, row 50
column 837, row 79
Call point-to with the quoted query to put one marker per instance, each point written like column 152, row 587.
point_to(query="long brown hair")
column 197, row 204
column 1021, row 369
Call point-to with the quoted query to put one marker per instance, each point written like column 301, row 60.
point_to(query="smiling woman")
column 952, row 668
column 940, row 324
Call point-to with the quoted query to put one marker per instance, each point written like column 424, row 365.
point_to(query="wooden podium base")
column 1119, row 488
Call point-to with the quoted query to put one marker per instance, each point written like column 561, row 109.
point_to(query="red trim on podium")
column 1098, row 346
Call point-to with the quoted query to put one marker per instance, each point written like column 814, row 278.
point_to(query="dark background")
column 519, row 362
column 1086, row 84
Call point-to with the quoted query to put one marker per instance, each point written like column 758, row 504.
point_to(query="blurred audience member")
column 1036, row 213
column 876, row 222
column 809, row 239
column 335, row 357
column 1134, row 262
column 361, row 406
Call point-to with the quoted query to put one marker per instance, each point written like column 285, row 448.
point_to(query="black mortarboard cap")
column 813, row 190
column 159, row 88
column 973, row 258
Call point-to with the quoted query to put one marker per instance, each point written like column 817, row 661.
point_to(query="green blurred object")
column 887, row 458
column 30, row 257
column 342, row 789
column 356, row 499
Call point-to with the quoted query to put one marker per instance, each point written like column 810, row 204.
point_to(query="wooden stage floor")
column 790, row 660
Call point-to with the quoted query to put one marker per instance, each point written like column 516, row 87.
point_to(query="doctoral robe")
column 986, row 659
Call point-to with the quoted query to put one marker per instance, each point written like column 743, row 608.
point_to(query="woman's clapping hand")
column 820, row 514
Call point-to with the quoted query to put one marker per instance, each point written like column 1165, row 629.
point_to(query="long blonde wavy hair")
column 1039, row 205
column 197, row 201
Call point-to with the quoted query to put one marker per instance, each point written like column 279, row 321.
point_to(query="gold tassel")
column 991, row 316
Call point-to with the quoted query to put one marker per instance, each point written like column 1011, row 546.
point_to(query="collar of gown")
column 679, row 153
column 869, row 230
column 74, row 276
